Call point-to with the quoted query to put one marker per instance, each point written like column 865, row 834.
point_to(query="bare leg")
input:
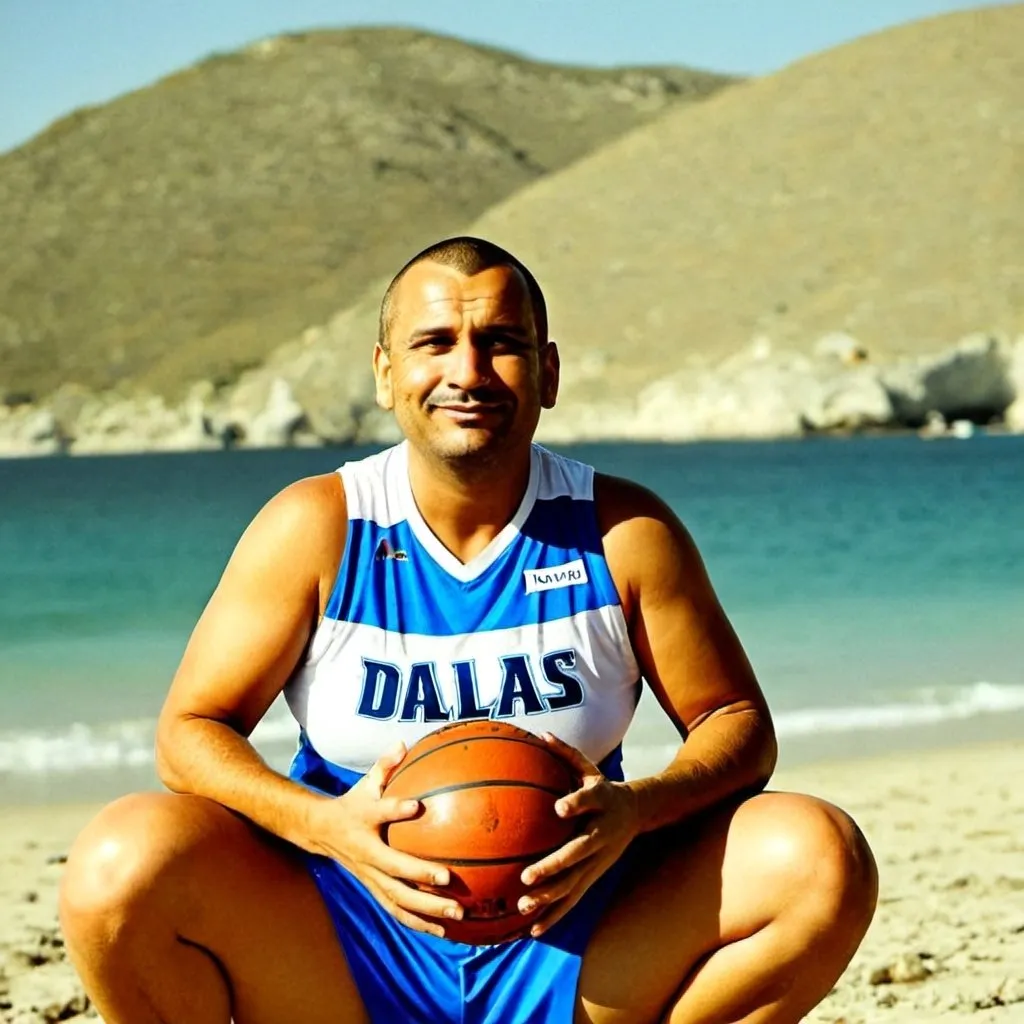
column 747, row 919
column 176, row 911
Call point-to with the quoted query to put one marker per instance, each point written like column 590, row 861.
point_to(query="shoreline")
column 559, row 440
column 946, row 825
column 653, row 745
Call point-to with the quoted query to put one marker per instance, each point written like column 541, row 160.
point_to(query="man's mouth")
column 468, row 413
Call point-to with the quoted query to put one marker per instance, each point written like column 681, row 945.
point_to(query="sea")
column 877, row 585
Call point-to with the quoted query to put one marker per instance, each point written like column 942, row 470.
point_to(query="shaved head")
column 468, row 256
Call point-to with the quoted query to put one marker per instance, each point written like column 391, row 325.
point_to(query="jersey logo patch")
column 386, row 550
column 552, row 578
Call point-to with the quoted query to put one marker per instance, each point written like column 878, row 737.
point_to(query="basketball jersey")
column 529, row 631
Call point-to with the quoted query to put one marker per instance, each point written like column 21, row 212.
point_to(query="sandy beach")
column 947, row 942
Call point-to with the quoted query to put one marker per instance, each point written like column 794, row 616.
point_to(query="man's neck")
column 467, row 507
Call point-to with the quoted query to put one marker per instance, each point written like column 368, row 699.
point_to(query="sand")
column 947, row 941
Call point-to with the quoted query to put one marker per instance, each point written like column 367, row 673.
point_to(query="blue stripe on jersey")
column 314, row 771
column 413, row 594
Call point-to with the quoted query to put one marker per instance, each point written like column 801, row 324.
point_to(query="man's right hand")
column 348, row 829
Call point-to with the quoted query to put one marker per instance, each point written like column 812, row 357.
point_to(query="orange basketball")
column 488, row 791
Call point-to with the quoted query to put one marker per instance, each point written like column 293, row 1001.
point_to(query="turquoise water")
column 877, row 584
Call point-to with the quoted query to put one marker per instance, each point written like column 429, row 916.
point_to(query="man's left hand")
column 561, row 878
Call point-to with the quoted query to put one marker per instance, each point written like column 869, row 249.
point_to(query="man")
column 404, row 592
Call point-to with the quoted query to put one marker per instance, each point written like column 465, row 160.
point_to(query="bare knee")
column 817, row 856
column 121, row 857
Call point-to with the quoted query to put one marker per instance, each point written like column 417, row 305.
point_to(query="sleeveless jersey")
column 529, row 631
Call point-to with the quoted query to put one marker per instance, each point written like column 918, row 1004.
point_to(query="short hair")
column 468, row 255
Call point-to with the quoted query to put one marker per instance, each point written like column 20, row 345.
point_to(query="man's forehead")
column 435, row 288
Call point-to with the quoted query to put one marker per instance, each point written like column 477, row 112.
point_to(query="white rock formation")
column 971, row 380
column 754, row 394
column 280, row 419
column 108, row 425
column 27, row 431
column 856, row 400
column 310, row 393
column 839, row 345
column 1014, row 416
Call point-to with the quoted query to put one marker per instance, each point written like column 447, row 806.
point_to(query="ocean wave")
column 129, row 744
column 930, row 707
column 109, row 745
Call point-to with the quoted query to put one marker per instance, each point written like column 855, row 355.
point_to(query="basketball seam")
column 472, row 862
column 455, row 787
column 499, row 917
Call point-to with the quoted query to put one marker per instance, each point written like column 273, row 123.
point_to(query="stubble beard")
column 472, row 454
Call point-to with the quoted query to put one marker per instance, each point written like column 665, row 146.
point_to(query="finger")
column 417, row 901
column 406, row 917
column 556, row 911
column 581, row 801
column 388, row 809
column 397, row 864
column 572, row 853
column 576, row 758
column 556, row 889
column 378, row 775
column 418, row 924
column 551, row 914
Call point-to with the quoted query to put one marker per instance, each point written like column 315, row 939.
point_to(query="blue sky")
column 56, row 55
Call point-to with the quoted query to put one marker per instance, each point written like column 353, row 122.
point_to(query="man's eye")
column 505, row 343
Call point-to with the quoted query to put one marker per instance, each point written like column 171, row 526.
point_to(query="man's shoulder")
column 620, row 500
column 320, row 494
column 310, row 511
column 645, row 543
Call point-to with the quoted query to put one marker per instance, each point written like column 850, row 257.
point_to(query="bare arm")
column 690, row 657
column 246, row 644
column 243, row 650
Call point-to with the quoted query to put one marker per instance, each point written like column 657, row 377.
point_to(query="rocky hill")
column 796, row 253
column 184, row 230
column 876, row 189
column 866, row 201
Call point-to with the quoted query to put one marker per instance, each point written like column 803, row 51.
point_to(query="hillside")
column 184, row 230
column 876, row 189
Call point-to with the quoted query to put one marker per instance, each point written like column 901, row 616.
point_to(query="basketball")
column 488, row 791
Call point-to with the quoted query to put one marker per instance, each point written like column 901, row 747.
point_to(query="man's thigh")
column 180, row 869
column 711, row 884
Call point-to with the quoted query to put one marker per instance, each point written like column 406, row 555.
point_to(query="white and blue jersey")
column 530, row 631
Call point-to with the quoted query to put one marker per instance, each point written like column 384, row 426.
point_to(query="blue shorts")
column 410, row 977
column 414, row 978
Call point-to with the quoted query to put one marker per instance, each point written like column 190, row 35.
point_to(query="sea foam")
column 81, row 747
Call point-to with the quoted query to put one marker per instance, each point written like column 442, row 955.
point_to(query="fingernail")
column 455, row 913
column 441, row 878
column 560, row 808
column 537, row 930
column 527, row 906
column 528, row 877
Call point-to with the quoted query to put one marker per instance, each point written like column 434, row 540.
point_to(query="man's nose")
column 469, row 365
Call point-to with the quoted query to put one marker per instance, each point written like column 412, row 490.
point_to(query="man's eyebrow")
column 431, row 332
column 442, row 331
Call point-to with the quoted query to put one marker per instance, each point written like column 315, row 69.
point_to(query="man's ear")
column 550, row 370
column 382, row 378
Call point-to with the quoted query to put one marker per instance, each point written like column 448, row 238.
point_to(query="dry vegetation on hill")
column 184, row 230
column 877, row 188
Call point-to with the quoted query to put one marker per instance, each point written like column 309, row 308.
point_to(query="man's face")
column 465, row 372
